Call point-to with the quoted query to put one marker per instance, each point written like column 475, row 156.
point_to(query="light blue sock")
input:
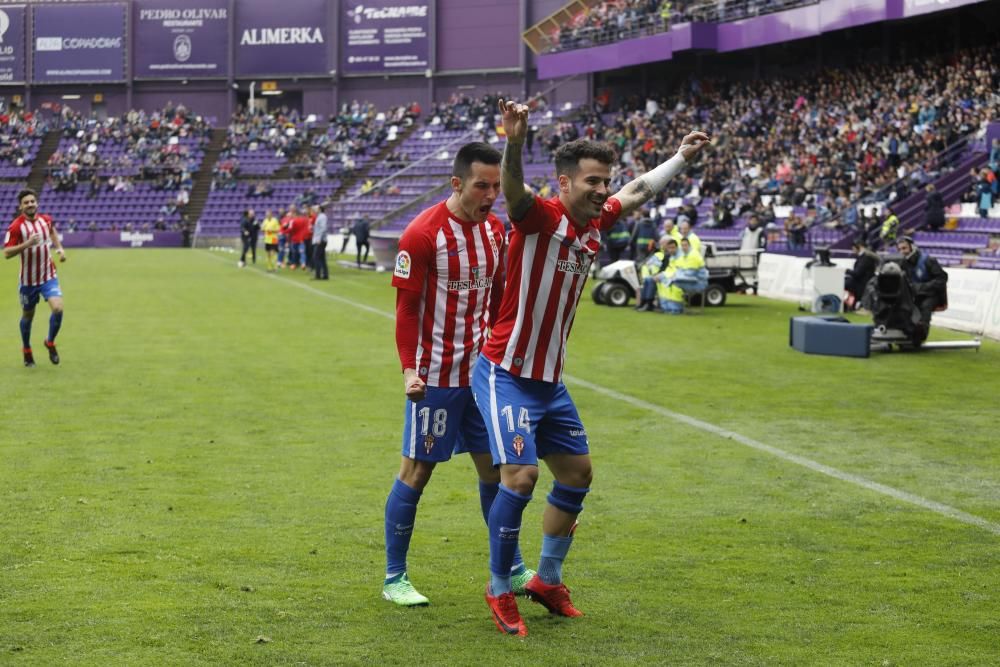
column 554, row 550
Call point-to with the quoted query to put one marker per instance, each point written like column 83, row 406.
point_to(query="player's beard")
column 594, row 204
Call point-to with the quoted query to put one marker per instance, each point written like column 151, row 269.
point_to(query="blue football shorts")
column 30, row 294
column 526, row 419
column 446, row 422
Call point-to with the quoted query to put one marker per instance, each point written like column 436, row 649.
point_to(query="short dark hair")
column 477, row 151
column 568, row 155
column 24, row 193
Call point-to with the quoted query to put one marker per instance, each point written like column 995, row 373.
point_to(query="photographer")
column 929, row 280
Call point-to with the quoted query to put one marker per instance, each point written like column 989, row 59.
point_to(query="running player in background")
column 449, row 280
column 29, row 236
column 517, row 381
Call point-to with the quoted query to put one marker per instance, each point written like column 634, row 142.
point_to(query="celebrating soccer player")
column 517, row 380
column 29, row 236
column 449, row 280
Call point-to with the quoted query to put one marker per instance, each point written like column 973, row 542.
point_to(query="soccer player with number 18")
column 448, row 279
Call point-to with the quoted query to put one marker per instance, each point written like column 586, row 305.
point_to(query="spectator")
column 795, row 232
column 934, row 218
column 361, row 232
column 890, row 227
column 984, row 192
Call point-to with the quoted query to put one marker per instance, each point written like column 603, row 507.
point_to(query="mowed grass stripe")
column 815, row 466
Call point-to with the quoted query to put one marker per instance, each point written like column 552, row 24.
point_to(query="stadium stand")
column 818, row 157
column 142, row 208
column 812, row 147
column 619, row 20
column 21, row 136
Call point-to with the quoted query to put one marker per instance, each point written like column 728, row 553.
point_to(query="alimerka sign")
column 272, row 40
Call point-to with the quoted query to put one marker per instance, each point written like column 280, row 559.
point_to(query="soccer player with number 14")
column 528, row 411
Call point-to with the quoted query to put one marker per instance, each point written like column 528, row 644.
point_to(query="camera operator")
column 929, row 280
column 857, row 278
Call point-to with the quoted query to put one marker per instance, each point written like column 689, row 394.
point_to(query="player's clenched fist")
column 415, row 388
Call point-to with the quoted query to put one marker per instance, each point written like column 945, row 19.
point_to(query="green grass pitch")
column 201, row 482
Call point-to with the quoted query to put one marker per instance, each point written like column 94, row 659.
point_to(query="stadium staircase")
column 957, row 160
column 912, row 210
column 203, row 179
column 363, row 174
column 36, row 178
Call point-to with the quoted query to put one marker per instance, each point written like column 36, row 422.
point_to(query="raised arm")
column 640, row 190
column 515, row 192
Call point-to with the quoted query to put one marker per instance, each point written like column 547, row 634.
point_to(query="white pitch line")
column 932, row 505
column 309, row 288
column 815, row 466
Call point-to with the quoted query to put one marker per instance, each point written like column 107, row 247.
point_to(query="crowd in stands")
column 356, row 130
column 162, row 145
column 279, row 132
column 822, row 143
column 462, row 112
column 618, row 20
column 611, row 22
column 19, row 132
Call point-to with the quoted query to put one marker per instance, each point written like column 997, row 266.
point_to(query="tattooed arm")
column 518, row 195
column 640, row 190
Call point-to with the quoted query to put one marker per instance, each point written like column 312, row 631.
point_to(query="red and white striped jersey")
column 456, row 267
column 36, row 263
column 548, row 260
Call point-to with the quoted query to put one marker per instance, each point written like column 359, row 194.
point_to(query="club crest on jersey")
column 518, row 444
column 428, row 443
column 402, row 265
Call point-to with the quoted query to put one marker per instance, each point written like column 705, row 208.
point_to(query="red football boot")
column 505, row 614
column 555, row 598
